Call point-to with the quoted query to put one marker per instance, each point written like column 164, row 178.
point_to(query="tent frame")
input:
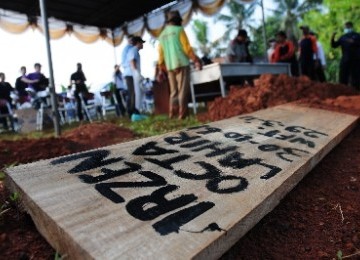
column 54, row 105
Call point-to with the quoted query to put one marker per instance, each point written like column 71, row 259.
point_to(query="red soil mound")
column 271, row 90
column 83, row 138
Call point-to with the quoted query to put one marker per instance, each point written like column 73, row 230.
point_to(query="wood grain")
column 182, row 195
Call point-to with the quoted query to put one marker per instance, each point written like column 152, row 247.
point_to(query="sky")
column 98, row 59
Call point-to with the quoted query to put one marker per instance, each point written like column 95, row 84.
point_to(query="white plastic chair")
column 106, row 104
column 90, row 107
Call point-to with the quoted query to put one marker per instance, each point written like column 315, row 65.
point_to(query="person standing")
column 119, row 86
column 238, row 51
column 174, row 54
column 133, row 77
column 308, row 53
column 271, row 49
column 285, row 53
column 36, row 80
column 124, row 52
column 5, row 91
column 320, row 60
column 350, row 60
column 21, row 86
column 129, row 80
column 78, row 79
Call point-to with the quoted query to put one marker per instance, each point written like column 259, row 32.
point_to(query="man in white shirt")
column 134, row 70
column 320, row 60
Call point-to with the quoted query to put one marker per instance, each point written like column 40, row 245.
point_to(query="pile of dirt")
column 83, row 138
column 344, row 104
column 19, row 238
column 272, row 90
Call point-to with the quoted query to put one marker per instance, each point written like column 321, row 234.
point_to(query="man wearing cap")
column 133, row 77
column 174, row 54
column 308, row 53
column 350, row 60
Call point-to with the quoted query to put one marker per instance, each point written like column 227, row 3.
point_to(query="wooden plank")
column 188, row 194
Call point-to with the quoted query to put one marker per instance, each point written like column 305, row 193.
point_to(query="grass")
column 154, row 125
column 160, row 124
column 48, row 132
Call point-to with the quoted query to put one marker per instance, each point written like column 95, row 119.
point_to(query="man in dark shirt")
column 78, row 78
column 350, row 60
column 5, row 90
column 21, row 86
column 308, row 52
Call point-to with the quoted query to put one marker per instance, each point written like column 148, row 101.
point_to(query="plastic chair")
column 109, row 102
column 89, row 106
column 66, row 109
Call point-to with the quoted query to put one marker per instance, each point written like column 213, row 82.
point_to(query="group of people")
column 306, row 57
column 175, row 54
column 173, row 65
column 311, row 58
column 25, row 85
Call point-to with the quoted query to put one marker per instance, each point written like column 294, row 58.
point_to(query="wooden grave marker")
column 182, row 195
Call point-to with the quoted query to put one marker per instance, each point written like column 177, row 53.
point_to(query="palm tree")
column 291, row 11
column 200, row 29
column 239, row 17
column 206, row 47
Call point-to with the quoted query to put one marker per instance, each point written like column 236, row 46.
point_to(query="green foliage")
column 332, row 18
column 5, row 206
column 14, row 197
column 292, row 11
column 239, row 18
column 272, row 25
column 160, row 124
column 339, row 255
column 57, row 256
column 206, row 47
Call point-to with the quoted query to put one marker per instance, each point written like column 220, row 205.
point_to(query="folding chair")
column 109, row 102
column 123, row 97
column 66, row 109
column 89, row 106
column 41, row 101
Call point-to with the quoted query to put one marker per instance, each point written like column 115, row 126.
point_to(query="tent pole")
column 113, row 43
column 264, row 28
column 54, row 106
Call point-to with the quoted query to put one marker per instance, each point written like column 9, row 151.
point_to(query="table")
column 217, row 72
